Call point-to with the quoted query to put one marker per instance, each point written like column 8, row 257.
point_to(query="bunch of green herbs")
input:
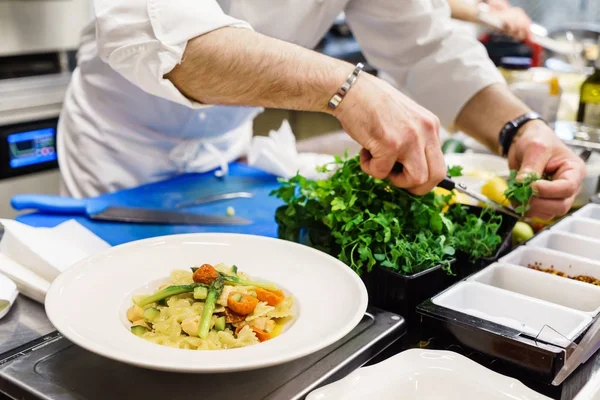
column 366, row 222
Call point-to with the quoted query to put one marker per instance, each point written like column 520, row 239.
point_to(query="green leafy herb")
column 366, row 222
column 455, row 170
column 520, row 192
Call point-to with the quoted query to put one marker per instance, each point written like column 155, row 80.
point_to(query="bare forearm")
column 487, row 112
column 462, row 10
column 233, row 66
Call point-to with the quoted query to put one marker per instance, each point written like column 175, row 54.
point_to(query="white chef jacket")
column 124, row 124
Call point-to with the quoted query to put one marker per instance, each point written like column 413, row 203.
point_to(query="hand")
column 516, row 21
column 390, row 127
column 536, row 148
column 498, row 5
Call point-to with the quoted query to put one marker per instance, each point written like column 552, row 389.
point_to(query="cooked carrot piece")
column 205, row 274
column 241, row 303
column 261, row 335
column 272, row 297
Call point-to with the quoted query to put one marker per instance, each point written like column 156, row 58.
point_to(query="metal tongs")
column 450, row 185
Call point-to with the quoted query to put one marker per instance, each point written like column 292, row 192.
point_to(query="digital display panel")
column 32, row 147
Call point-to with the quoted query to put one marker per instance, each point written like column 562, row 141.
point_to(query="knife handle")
column 55, row 204
column 447, row 183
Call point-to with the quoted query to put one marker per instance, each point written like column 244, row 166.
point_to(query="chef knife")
column 450, row 185
column 99, row 210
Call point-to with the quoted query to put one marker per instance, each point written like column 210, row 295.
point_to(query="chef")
column 170, row 86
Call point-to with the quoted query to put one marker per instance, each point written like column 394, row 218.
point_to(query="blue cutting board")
column 166, row 194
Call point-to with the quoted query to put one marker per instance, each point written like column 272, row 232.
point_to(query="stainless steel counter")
column 52, row 368
column 26, row 321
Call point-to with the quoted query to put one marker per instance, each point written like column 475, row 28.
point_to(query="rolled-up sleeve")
column 414, row 42
column 145, row 39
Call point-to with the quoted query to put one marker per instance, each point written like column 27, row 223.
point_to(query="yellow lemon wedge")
column 494, row 189
column 457, row 197
column 443, row 192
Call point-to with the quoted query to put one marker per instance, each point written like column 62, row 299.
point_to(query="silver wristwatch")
column 337, row 98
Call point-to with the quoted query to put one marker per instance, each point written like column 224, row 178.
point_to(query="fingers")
column 556, row 189
column 534, row 160
column 554, row 198
column 437, row 170
column 547, row 209
column 378, row 167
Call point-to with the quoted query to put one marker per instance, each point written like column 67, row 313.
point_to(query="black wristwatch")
column 509, row 131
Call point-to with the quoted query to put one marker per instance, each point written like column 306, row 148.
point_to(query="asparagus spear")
column 167, row 292
column 214, row 291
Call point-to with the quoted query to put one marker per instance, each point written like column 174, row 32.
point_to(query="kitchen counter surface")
column 27, row 321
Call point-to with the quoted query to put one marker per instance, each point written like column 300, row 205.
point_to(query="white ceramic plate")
column 88, row 302
column 426, row 374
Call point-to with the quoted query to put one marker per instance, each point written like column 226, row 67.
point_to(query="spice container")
column 567, row 243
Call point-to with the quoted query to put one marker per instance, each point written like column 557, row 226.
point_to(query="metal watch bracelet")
column 337, row 98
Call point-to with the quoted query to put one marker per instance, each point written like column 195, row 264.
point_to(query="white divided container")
column 526, row 314
column 554, row 289
column 568, row 243
column 591, row 211
column 579, row 226
column 545, row 258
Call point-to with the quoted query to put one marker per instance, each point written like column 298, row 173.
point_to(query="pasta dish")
column 210, row 308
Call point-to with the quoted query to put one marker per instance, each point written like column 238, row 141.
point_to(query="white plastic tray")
column 579, row 226
column 568, row 243
column 523, row 313
column 569, row 264
column 591, row 211
column 540, row 285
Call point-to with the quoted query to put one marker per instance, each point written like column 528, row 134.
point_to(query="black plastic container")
column 401, row 294
column 463, row 266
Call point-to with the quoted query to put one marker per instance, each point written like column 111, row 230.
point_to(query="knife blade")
column 99, row 210
column 150, row 216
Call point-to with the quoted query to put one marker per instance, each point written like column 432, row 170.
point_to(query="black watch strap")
column 509, row 131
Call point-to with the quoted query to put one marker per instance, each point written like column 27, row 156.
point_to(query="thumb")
column 534, row 160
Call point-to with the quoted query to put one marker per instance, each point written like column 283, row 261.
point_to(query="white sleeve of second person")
column 145, row 39
column 414, row 42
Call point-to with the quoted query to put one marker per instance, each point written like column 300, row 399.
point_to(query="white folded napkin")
column 34, row 257
column 277, row 154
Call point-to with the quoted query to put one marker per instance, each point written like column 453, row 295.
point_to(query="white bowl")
column 87, row 303
column 426, row 374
